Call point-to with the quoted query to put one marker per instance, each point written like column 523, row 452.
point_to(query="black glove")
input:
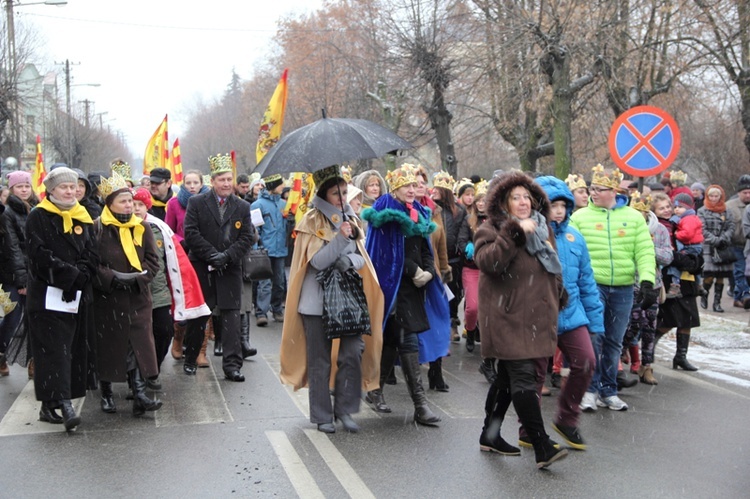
column 123, row 283
column 219, row 260
column 69, row 296
column 343, row 264
column 722, row 245
column 564, row 298
column 647, row 295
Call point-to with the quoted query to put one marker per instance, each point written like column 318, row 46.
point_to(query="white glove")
column 421, row 278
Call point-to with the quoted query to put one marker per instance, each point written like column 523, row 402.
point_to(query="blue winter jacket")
column 273, row 231
column 584, row 307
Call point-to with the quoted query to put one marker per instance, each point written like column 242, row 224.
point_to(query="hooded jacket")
column 273, row 231
column 88, row 200
column 584, row 308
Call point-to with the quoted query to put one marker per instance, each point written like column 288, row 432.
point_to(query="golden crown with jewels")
column 346, row 173
column 462, row 183
column 221, row 163
column 122, row 168
column 6, row 305
column 481, row 188
column 402, row 176
column 639, row 202
column 444, row 180
column 612, row 180
column 575, row 181
column 114, row 183
column 678, row 178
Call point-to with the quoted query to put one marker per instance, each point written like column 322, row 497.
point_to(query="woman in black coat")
column 62, row 259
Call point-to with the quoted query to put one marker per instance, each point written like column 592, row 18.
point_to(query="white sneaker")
column 614, row 403
column 589, row 402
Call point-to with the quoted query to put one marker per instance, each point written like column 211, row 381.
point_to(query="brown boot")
column 202, row 360
column 646, row 375
column 179, row 335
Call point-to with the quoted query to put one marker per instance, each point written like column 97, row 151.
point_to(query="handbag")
column 345, row 311
column 256, row 266
column 724, row 255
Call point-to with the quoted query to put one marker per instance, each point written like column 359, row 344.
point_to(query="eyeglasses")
column 600, row 189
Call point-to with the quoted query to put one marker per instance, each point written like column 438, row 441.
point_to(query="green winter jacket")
column 619, row 243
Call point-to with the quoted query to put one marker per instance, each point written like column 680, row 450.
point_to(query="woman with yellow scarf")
column 122, row 313
column 62, row 262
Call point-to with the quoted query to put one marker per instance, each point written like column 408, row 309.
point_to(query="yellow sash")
column 128, row 240
column 78, row 212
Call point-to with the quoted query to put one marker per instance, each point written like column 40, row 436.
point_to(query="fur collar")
column 387, row 210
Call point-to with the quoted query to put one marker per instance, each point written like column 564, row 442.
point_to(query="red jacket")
column 690, row 230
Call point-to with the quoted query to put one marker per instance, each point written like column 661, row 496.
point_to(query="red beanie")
column 144, row 196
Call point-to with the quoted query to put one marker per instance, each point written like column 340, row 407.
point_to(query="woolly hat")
column 698, row 186
column 685, row 200
column 352, row 192
column 58, row 176
column 744, row 183
column 144, row 196
column 18, row 177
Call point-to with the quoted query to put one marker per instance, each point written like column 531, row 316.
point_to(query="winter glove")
column 343, row 264
column 123, row 283
column 647, row 295
column 469, row 251
column 69, row 296
column 219, row 260
column 421, row 278
column 722, row 245
column 448, row 276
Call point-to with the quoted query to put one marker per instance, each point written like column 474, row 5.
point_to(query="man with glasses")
column 620, row 245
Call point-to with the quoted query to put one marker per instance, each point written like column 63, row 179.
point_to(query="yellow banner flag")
column 273, row 119
column 157, row 150
column 37, row 180
column 176, row 163
column 308, row 191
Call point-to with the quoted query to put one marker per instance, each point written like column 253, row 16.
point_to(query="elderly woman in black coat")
column 62, row 261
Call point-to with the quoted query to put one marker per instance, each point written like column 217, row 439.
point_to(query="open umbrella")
column 329, row 141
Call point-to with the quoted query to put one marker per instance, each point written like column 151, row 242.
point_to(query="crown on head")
column 322, row 176
column 6, row 305
column 481, row 188
column 575, row 181
column 612, row 180
column 206, row 179
column 639, row 202
column 678, row 178
column 444, row 180
column 122, row 168
column 402, row 176
column 346, row 173
column 221, row 163
column 464, row 182
column 112, row 184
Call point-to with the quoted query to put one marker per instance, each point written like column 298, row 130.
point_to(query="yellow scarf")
column 77, row 211
column 127, row 240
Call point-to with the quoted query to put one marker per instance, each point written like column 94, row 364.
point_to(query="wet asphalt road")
column 686, row 437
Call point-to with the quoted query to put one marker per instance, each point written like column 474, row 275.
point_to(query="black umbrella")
column 329, row 141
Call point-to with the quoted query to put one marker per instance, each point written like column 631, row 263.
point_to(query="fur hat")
column 58, row 176
column 144, row 196
column 685, row 200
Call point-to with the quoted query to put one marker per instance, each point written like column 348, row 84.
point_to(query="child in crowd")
column 688, row 236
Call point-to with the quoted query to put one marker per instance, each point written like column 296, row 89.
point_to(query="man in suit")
column 218, row 233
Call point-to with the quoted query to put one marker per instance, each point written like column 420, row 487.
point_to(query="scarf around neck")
column 77, row 212
column 128, row 240
column 537, row 246
column 184, row 195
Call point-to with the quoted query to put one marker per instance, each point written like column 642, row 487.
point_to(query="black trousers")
column 228, row 321
column 163, row 326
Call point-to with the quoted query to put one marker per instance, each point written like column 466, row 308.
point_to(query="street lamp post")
column 68, row 109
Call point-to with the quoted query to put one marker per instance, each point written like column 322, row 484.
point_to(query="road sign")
column 644, row 141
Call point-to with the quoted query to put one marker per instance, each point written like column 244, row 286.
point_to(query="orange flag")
column 39, row 171
column 157, row 150
column 292, row 202
column 176, row 163
column 233, row 155
column 273, row 119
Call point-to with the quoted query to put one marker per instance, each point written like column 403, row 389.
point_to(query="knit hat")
column 462, row 185
column 144, row 196
column 685, row 200
column 18, row 177
column 58, row 176
column 698, row 186
column 744, row 183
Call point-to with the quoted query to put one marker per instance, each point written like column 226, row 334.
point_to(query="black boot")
column 218, row 350
column 495, row 407
column 70, row 418
column 487, row 368
column 526, row 403
column 48, row 414
column 375, row 397
column 413, row 374
column 470, row 340
column 141, row 402
column 718, row 290
column 435, row 376
column 704, row 294
column 624, row 382
column 247, row 350
column 108, row 401
column 680, row 358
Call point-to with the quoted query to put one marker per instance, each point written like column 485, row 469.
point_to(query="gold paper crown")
column 6, row 305
column 346, row 173
column 206, row 179
column 444, row 180
column 481, row 188
column 600, row 177
column 461, row 183
column 678, row 178
column 575, row 181
column 640, row 203
column 112, row 184
column 401, row 176
column 221, row 163
column 322, row 176
column 122, row 168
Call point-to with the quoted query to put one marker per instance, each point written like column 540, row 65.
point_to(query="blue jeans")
column 618, row 301
column 741, row 289
column 272, row 292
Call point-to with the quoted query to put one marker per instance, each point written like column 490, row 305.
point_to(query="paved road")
column 686, row 437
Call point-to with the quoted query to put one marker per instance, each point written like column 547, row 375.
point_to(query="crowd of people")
column 569, row 277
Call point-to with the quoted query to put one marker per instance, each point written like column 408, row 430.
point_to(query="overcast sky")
column 153, row 57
